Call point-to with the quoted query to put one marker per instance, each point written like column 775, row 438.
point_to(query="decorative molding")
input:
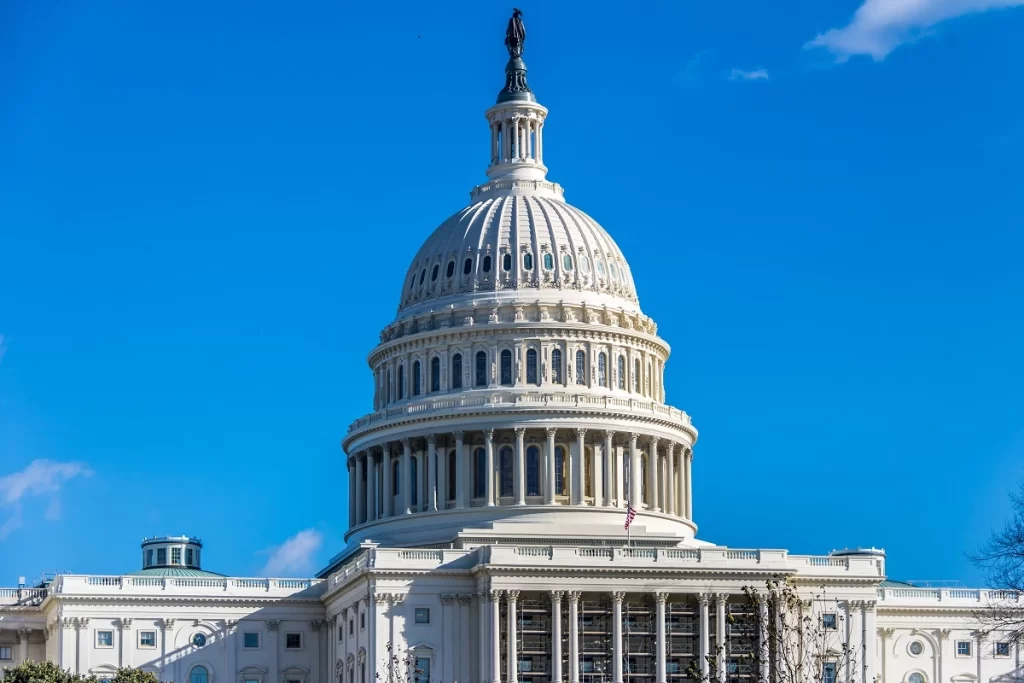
column 273, row 624
column 556, row 596
column 661, row 598
column 618, row 596
column 447, row 599
column 464, row 599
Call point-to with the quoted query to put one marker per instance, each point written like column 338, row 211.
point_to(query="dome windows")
column 506, row 368
column 457, row 371
column 481, row 369
column 486, row 266
column 433, row 273
column 467, row 267
column 556, row 366
column 549, row 262
column 435, row 374
column 532, row 376
column 401, row 382
column 612, row 271
column 599, row 265
column 506, row 262
column 602, row 369
column 584, row 264
column 507, row 487
column 423, row 275
column 527, row 261
column 567, row 261
column 621, row 372
column 451, row 269
column 416, row 378
column 581, row 367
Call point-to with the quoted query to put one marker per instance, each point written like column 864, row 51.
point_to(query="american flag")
column 630, row 514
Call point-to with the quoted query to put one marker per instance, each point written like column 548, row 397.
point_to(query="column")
column 360, row 491
column 664, row 483
column 431, row 473
column 22, row 635
column 442, row 476
column 556, row 636
column 371, row 486
column 671, row 479
column 854, row 639
column 351, row 491
column 549, row 455
column 705, row 639
column 687, row 483
column 720, row 599
column 520, row 476
column 405, row 481
column 315, row 626
column 273, row 649
column 762, row 637
column 489, row 446
column 617, row 599
column 597, row 468
column 495, row 636
column 660, row 600
column 540, row 143
column 512, row 665
column 577, row 468
column 461, row 499
column 870, row 641
column 634, row 473
column 652, row 476
column 165, row 631
column 483, row 604
column 388, row 487
column 609, row 476
column 574, row 636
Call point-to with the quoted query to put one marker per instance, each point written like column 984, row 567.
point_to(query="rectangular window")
column 828, row 621
column 175, row 555
column 963, row 648
column 341, row 633
column 149, row 557
column 1002, row 649
column 147, row 638
column 362, row 620
column 828, row 673
column 293, row 641
column 251, row 680
column 188, row 557
column 5, row 654
column 161, row 556
column 251, row 639
column 351, row 626
column 422, row 615
column 104, row 639
column 525, row 664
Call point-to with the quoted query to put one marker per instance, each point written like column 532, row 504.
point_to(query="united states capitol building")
column 519, row 418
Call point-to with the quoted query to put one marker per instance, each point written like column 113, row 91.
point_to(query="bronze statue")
column 515, row 35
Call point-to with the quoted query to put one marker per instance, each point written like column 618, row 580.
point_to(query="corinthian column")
column 360, row 491
column 431, row 473
column 705, row 633
column 574, row 636
column 688, row 483
column 495, row 636
column 634, row 473
column 556, row 636
column 549, row 485
column 652, row 476
column 578, row 470
column 489, row 448
column 386, row 493
column 660, row 600
column 405, row 481
column 520, row 478
column 512, row 639
column 617, row 599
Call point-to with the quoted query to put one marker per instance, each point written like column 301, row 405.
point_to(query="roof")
column 889, row 583
column 176, row 571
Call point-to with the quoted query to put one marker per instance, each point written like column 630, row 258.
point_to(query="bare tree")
column 1002, row 559
column 399, row 667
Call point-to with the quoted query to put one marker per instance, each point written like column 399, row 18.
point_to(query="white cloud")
column 880, row 26
column 294, row 556
column 744, row 75
column 3, row 347
column 40, row 478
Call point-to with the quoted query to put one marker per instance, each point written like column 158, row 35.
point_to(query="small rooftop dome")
column 172, row 556
column 847, row 552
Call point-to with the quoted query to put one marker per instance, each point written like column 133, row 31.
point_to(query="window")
column 828, row 672
column 599, row 264
column 467, row 267
column 351, row 626
column 916, row 648
column 189, row 559
column 963, row 648
column 532, row 376
column 251, row 640
column 422, row 615
column 505, row 464
column 175, row 555
column 525, row 664
column 585, row 265
column 506, row 368
column 396, row 472
column 341, row 633
column 486, row 265
column 581, row 367
column 480, row 473
column 621, row 371
column 602, row 369
column 250, row 680
column 362, row 620
column 433, row 273
column 413, row 478
column 457, row 371
column 149, row 557
column 415, row 378
column 104, row 639
column 412, row 282
column 559, row 471
column 828, row 621
column 567, row 261
column 1002, row 649
column 533, row 471
column 556, row 366
column 451, row 475
column 147, row 638
column 549, row 262
column 506, row 262
column 161, row 556
column 199, row 639
column 293, row 641
column 198, row 675
column 421, row 670
column 423, row 275
column 362, row 671
column 527, row 261
column 611, row 271
column 401, row 382
column 435, row 374
column 481, row 368
column 636, row 376
column 915, row 677
column 5, row 654
column 387, row 389
column 451, row 269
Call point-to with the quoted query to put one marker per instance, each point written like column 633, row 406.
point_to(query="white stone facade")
column 519, row 411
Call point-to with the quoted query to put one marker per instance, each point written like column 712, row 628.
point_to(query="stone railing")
column 22, row 597
column 972, row 597
column 505, row 400
column 180, row 585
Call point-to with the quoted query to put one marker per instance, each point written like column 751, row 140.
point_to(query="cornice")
column 183, row 600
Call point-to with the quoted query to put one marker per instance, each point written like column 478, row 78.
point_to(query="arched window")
column 527, row 261
column 636, row 376
column 480, row 473
column 581, row 367
column 457, row 371
column 506, row 368
column 413, row 479
column 556, row 366
column 481, row 368
column 415, row 378
column 423, row 274
column 396, row 474
column 433, row 273
column 486, row 265
column 505, row 465
column 401, row 382
column 602, row 369
column 622, row 372
column 467, row 267
column 559, row 471
column 549, row 261
column 412, row 282
column 648, row 379
column 387, row 389
column 435, row 374
column 450, row 270
column 532, row 376
column 533, row 471
column 451, row 475
column 506, row 262
column 199, row 674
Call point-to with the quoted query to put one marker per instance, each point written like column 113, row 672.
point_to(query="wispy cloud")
column 40, row 478
column 744, row 75
column 880, row 26
column 3, row 347
column 294, row 556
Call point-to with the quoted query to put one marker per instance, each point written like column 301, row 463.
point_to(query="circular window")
column 916, row 648
column 915, row 678
column 199, row 640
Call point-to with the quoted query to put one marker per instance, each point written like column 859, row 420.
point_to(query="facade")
column 519, row 419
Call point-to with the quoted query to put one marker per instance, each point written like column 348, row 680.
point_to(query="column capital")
column 488, row 435
column 447, row 599
column 633, row 436
column 609, row 433
column 407, row 444
column 513, row 595
column 704, row 598
column 574, row 596
column 22, row 634
column 654, row 440
column 581, row 432
column 124, row 624
column 556, row 596
column 520, row 432
column 618, row 596
column 459, row 434
column 385, row 448
column 550, row 431
column 660, row 597
column 495, row 595
column 431, row 439
column 721, row 598
column 273, row 624
column 869, row 605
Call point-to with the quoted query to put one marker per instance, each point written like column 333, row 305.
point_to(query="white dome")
column 519, row 239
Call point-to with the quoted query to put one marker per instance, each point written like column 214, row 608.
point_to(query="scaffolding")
column 742, row 637
column 639, row 640
column 682, row 635
column 595, row 641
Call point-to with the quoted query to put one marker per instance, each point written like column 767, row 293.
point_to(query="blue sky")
column 207, row 210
